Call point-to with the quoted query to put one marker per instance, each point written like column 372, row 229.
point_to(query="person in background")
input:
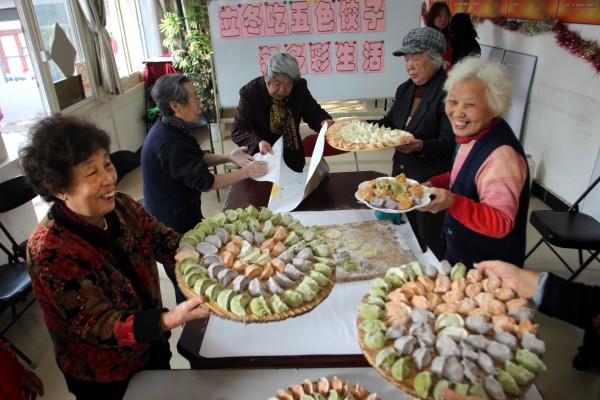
column 419, row 109
column 16, row 382
column 438, row 17
column 463, row 37
column 575, row 303
column 485, row 195
column 92, row 261
column 175, row 170
column 272, row 106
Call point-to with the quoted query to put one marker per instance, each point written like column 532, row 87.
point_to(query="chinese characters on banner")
column 281, row 18
column 567, row 11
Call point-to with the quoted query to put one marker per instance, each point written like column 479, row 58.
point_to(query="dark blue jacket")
column 470, row 245
column 429, row 123
column 174, row 175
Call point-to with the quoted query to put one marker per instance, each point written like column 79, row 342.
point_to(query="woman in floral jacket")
column 92, row 260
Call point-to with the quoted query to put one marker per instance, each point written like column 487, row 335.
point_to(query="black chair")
column 125, row 161
column 15, row 283
column 569, row 229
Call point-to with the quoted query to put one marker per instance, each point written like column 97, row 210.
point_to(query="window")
column 133, row 28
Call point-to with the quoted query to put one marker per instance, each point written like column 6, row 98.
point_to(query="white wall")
column 562, row 126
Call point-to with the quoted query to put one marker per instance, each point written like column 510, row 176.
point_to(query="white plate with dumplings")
column 389, row 204
column 425, row 328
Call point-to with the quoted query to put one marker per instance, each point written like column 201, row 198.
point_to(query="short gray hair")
column 282, row 63
column 170, row 88
column 435, row 58
column 494, row 76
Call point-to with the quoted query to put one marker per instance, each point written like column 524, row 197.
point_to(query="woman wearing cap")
column 272, row 106
column 419, row 109
column 486, row 193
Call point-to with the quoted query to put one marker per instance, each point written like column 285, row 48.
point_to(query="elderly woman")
column 419, row 109
column 175, row 169
column 272, row 106
column 92, row 261
column 485, row 194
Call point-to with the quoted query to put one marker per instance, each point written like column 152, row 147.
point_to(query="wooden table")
column 336, row 192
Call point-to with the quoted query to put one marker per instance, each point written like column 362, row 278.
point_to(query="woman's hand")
column 256, row 168
column 442, row 201
column 448, row 394
column 520, row 280
column 239, row 157
column 265, row 147
column 187, row 311
column 413, row 146
column 31, row 385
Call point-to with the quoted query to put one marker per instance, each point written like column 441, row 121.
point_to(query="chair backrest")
column 575, row 207
column 309, row 147
column 15, row 192
column 125, row 161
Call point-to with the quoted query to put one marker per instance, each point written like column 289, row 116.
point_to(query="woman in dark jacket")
column 273, row 106
column 419, row 109
column 463, row 37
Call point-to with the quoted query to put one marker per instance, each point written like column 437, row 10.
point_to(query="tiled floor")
column 560, row 382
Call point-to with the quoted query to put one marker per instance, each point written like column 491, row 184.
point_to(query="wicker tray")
column 249, row 317
column 407, row 384
column 333, row 138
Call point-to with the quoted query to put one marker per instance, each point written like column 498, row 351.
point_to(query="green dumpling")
column 291, row 239
column 380, row 283
column 202, row 284
column 224, row 298
column 276, row 218
column 181, row 265
column 458, row 271
column 521, row 374
column 268, row 229
column 438, row 388
column 277, row 305
column 323, row 269
column 319, row 278
column 264, row 214
column 292, row 298
column 530, row 361
column 253, row 225
column 307, row 280
column 259, row 307
column 239, row 303
column 375, row 339
column 349, row 265
column 401, row 369
column 286, row 219
column 509, row 385
column 422, row 383
column 212, row 292
column 219, row 218
column 231, row 215
column 307, row 293
column 251, row 211
column 386, row 357
column 372, row 325
column 369, row 311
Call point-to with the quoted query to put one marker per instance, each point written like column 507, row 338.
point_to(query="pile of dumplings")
column 324, row 389
column 255, row 264
column 436, row 327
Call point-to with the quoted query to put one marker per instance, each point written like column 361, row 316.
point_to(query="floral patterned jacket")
column 99, row 289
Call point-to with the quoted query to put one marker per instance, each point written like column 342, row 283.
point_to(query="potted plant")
column 188, row 39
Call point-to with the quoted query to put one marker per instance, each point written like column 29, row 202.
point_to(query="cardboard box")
column 69, row 91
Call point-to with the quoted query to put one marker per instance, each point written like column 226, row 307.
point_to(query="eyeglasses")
column 195, row 100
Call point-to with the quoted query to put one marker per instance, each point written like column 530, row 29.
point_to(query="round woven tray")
column 249, row 317
column 333, row 138
column 407, row 384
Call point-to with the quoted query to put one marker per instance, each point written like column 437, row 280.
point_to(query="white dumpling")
column 472, row 372
column 533, row 344
column 478, row 342
column 292, row 272
column 422, row 357
column 446, row 347
column 499, row 352
column 437, row 365
column 486, row 363
column 506, row 338
column 255, row 288
column 453, row 370
column 273, row 286
column 478, row 324
column 301, row 264
column 405, row 345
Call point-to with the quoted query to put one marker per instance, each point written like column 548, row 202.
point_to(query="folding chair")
column 15, row 282
column 569, row 229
